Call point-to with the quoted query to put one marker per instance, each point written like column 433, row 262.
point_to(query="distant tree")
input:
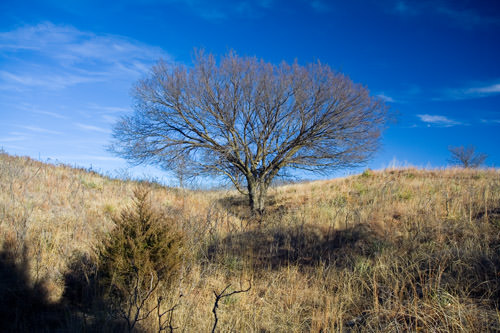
column 466, row 157
column 249, row 121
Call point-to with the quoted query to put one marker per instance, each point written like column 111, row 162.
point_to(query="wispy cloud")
column 402, row 7
column 45, row 80
column 110, row 119
column 93, row 128
column 47, row 73
column 222, row 10
column 86, row 158
column 457, row 12
column 37, row 129
column 64, row 56
column 13, row 138
column 12, row 147
column 467, row 17
column 437, row 120
column 473, row 91
column 386, row 98
column 50, row 114
column 72, row 45
column 404, row 95
column 108, row 114
column 320, row 6
column 486, row 90
column 109, row 109
column 31, row 108
column 225, row 9
column 490, row 121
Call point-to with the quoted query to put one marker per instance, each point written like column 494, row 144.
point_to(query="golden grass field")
column 391, row 251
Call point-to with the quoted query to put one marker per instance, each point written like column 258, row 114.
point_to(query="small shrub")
column 404, row 195
column 410, row 175
column 367, row 173
column 360, row 188
column 91, row 185
column 141, row 254
column 109, row 209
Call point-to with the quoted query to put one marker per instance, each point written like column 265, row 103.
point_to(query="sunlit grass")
column 392, row 250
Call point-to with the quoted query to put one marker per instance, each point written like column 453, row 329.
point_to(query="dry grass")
column 395, row 250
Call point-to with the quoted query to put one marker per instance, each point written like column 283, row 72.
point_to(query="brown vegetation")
column 392, row 250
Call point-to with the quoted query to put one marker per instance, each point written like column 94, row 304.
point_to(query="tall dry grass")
column 393, row 250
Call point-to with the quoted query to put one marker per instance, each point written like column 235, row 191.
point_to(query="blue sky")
column 67, row 67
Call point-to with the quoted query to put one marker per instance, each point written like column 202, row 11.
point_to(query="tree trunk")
column 257, row 191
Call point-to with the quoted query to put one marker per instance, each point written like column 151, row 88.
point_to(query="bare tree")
column 249, row 120
column 466, row 157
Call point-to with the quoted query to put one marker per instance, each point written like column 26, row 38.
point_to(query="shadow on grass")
column 85, row 298
column 277, row 246
column 238, row 206
column 23, row 304
column 305, row 245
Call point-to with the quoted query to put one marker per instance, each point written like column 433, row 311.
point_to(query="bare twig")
column 223, row 294
column 136, row 309
column 168, row 323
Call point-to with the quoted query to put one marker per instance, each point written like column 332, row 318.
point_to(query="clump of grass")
column 367, row 173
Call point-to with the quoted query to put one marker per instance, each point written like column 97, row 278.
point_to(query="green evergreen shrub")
column 142, row 254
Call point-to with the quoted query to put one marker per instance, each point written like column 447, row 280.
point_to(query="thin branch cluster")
column 248, row 120
column 466, row 157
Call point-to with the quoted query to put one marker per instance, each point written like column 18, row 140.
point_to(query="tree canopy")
column 249, row 120
column 466, row 157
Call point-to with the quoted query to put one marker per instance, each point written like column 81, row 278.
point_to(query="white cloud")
column 454, row 12
column 87, row 158
column 473, row 91
column 58, row 74
column 224, row 9
column 466, row 17
column 110, row 119
column 46, row 80
column 62, row 56
column 11, row 147
column 386, row 98
column 37, row 129
column 403, row 7
column 491, row 89
column 50, row 114
column 109, row 114
column 14, row 138
column 109, row 109
column 93, row 128
column 32, row 108
column 72, row 45
column 319, row 5
column 438, row 120
column 405, row 95
column 490, row 121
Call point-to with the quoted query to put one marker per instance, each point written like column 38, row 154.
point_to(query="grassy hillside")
column 389, row 250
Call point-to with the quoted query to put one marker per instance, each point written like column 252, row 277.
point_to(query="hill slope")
column 396, row 249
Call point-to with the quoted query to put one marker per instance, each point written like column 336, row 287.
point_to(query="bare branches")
column 163, row 325
column 248, row 121
column 135, row 307
column 222, row 294
column 466, row 157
